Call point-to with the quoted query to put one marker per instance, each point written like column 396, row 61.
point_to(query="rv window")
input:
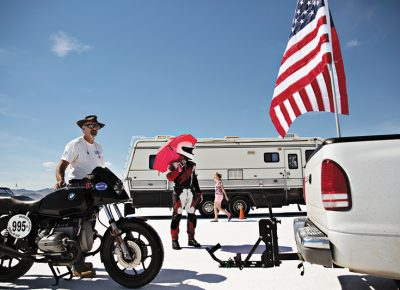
column 271, row 157
column 308, row 154
column 151, row 161
column 292, row 160
column 235, row 173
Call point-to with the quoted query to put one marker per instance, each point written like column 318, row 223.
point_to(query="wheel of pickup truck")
column 237, row 202
column 206, row 208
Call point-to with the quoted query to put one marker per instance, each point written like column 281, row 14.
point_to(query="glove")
column 172, row 166
column 199, row 197
column 176, row 166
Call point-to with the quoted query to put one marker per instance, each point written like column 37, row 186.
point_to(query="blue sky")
column 169, row 67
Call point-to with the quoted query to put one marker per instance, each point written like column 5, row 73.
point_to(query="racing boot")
column 194, row 243
column 175, row 245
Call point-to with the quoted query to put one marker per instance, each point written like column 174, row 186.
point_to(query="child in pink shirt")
column 219, row 196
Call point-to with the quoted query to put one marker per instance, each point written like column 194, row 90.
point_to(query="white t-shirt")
column 83, row 157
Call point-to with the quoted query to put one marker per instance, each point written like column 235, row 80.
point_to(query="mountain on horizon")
column 35, row 194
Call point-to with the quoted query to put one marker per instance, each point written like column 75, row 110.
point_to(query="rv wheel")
column 206, row 208
column 236, row 203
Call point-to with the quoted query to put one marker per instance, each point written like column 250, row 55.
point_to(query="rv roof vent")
column 231, row 137
column 291, row 135
column 163, row 136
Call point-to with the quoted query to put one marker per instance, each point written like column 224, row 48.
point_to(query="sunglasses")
column 92, row 126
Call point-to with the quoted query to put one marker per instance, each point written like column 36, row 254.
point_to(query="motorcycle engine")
column 77, row 230
column 53, row 243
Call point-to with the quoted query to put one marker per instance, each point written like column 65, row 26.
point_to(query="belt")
column 183, row 187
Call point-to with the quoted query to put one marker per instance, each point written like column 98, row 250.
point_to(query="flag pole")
column 332, row 74
column 334, row 100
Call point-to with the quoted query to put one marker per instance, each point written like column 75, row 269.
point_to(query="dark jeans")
column 80, row 264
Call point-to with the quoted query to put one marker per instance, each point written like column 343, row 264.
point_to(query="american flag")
column 304, row 83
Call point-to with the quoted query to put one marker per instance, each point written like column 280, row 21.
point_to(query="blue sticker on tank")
column 101, row 186
column 71, row 196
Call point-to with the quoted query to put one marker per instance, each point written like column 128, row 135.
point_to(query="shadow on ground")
column 47, row 281
column 167, row 278
column 178, row 279
column 367, row 282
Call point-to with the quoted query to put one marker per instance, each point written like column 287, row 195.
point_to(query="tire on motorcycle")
column 12, row 268
column 147, row 251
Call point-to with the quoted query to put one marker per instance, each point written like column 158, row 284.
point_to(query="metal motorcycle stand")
column 271, row 257
column 58, row 276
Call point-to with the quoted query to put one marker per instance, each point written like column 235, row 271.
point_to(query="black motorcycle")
column 59, row 230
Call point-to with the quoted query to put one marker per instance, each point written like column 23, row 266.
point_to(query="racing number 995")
column 18, row 226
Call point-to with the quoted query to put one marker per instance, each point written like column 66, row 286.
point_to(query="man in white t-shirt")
column 83, row 155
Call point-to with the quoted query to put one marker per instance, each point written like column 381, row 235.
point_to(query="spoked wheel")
column 13, row 268
column 145, row 248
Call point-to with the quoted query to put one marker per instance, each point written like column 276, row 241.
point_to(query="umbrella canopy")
column 167, row 153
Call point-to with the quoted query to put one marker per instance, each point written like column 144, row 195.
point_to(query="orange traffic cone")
column 241, row 213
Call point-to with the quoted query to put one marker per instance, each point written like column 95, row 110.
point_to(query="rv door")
column 293, row 168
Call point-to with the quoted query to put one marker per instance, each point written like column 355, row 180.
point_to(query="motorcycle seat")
column 16, row 205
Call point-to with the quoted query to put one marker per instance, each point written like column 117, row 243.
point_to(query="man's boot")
column 83, row 272
column 175, row 245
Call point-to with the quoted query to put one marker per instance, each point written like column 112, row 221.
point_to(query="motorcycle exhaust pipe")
column 6, row 250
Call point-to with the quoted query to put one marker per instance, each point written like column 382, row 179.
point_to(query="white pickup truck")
column 352, row 193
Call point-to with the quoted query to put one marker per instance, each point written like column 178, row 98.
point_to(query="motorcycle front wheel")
column 144, row 246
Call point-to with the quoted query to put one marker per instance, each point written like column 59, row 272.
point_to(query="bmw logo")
column 71, row 196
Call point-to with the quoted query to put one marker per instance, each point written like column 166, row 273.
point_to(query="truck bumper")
column 372, row 254
column 312, row 245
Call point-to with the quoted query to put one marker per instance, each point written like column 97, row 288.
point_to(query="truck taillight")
column 334, row 187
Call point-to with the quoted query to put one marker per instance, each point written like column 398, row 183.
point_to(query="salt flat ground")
column 194, row 269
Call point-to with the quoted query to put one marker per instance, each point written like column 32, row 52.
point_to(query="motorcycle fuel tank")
column 65, row 202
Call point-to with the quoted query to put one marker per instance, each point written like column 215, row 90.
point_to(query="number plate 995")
column 19, row 226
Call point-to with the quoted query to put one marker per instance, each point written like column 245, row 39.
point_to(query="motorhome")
column 256, row 172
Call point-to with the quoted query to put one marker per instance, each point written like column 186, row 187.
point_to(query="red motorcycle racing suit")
column 185, row 196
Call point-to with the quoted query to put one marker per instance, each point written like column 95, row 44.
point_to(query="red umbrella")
column 167, row 153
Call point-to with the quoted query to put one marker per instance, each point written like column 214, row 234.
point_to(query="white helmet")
column 186, row 149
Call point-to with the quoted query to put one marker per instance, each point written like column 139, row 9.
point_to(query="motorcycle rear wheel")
column 144, row 244
column 13, row 268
